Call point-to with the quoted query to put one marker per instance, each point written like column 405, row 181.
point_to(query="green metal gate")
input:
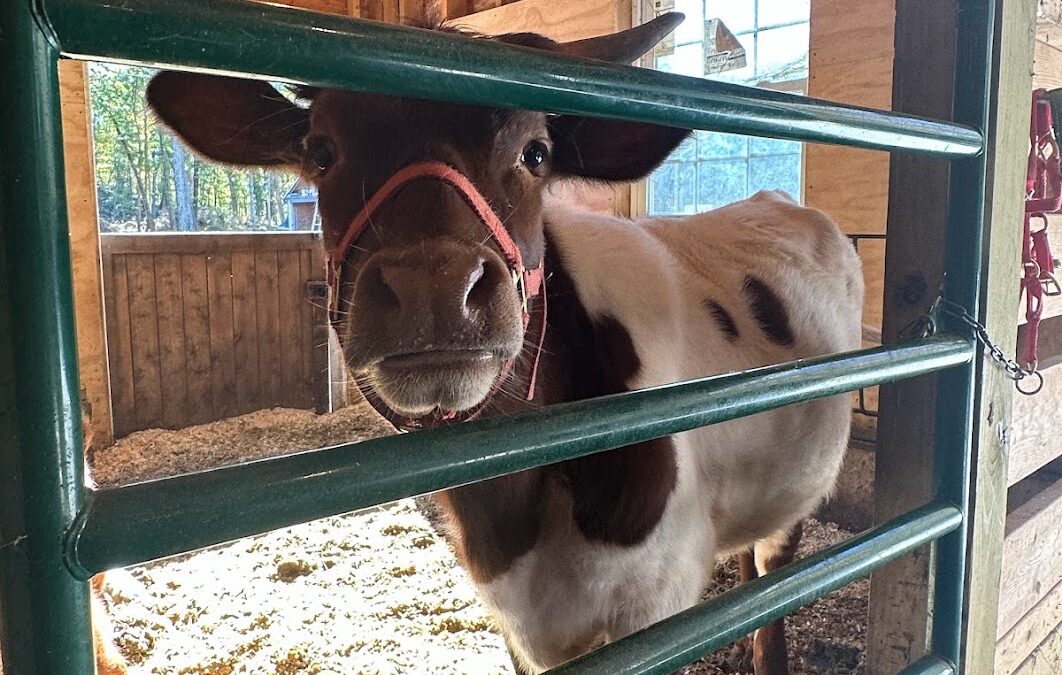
column 55, row 533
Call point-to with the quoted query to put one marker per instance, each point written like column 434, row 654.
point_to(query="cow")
column 460, row 289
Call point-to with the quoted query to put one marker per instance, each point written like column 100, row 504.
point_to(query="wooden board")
column 1036, row 428
column 1047, row 67
column 203, row 327
column 85, row 249
column 847, row 31
column 325, row 6
column 267, row 305
column 561, row 21
column 222, row 339
column 1016, row 645
column 1049, row 343
column 1046, row 659
column 867, row 81
column 245, row 330
column 851, row 62
column 170, row 316
column 848, row 184
column 1032, row 555
column 895, row 634
column 292, row 291
column 144, row 327
column 195, row 302
column 1007, row 148
column 119, row 342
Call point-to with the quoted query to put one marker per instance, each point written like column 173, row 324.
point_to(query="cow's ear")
column 609, row 149
column 231, row 120
column 625, row 46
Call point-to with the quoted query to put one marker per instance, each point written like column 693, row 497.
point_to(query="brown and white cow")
column 434, row 328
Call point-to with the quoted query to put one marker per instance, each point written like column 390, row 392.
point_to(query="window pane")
column 662, row 190
column 715, row 145
column 686, row 177
column 783, row 53
column 686, row 151
column 772, row 146
column 774, row 12
column 775, row 173
column 720, row 183
column 692, row 29
column 687, row 60
column 738, row 15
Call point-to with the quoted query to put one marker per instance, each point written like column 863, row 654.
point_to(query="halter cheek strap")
column 529, row 283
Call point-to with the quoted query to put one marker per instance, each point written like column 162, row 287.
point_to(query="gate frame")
column 54, row 533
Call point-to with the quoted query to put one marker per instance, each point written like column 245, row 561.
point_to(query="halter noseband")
column 529, row 283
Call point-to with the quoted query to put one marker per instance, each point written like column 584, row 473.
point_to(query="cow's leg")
column 108, row 660
column 769, row 654
column 518, row 664
column 740, row 656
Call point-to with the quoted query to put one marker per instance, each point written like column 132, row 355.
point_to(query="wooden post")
column 923, row 85
column 85, row 249
column 1004, row 188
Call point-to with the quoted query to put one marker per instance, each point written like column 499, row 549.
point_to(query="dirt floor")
column 377, row 591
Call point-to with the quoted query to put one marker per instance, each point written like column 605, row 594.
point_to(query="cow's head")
column 428, row 313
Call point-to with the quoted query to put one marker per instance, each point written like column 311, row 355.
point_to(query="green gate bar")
column 292, row 45
column 963, row 262
column 930, row 664
column 128, row 525
column 44, row 626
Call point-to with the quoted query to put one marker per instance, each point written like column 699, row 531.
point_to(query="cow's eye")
column 534, row 155
column 319, row 155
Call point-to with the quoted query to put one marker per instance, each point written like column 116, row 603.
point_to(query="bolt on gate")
column 55, row 533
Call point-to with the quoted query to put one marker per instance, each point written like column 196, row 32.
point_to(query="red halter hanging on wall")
column 1043, row 195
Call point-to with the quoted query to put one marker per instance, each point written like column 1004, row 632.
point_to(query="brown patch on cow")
column 618, row 496
column 768, row 310
column 723, row 319
column 495, row 522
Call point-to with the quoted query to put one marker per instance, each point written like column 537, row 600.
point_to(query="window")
column 713, row 169
column 146, row 181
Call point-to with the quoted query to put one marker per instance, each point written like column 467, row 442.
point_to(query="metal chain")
column 1014, row 370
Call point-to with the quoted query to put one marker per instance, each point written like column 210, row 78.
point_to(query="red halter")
column 1043, row 186
column 529, row 283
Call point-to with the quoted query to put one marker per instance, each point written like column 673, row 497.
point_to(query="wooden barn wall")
column 204, row 327
column 85, row 250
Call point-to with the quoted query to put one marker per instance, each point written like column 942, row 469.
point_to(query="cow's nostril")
column 479, row 287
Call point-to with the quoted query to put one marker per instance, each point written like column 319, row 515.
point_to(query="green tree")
column 147, row 181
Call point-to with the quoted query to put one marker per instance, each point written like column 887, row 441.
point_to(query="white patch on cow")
column 738, row 482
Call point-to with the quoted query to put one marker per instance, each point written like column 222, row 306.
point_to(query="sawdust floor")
column 372, row 592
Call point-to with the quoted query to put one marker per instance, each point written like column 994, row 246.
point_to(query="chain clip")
column 926, row 325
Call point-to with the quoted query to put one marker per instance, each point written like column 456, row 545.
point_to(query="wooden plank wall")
column 1030, row 606
column 85, row 250
column 204, row 327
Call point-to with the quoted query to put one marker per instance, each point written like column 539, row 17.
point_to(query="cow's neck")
column 616, row 497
